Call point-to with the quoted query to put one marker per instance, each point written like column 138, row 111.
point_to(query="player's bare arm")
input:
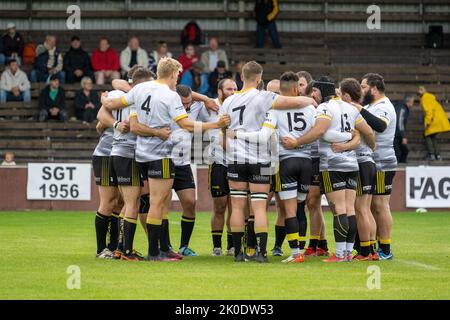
column 316, row 132
column 141, row 129
column 210, row 104
column 113, row 103
column 284, row 102
column 347, row 146
column 189, row 125
column 106, row 120
column 120, row 84
column 367, row 133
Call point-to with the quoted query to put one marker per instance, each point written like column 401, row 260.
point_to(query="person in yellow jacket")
column 266, row 12
column 435, row 122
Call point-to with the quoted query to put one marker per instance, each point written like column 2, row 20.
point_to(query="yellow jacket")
column 435, row 118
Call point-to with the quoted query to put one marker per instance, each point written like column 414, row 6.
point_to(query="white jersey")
column 124, row 144
column 156, row 106
column 384, row 154
column 216, row 154
column 247, row 110
column 181, row 139
column 343, row 117
column 294, row 123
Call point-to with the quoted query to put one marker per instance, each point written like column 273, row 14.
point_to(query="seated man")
column 105, row 62
column 49, row 61
column 12, row 44
column 51, row 101
column 196, row 79
column 14, row 84
column 77, row 63
column 87, row 101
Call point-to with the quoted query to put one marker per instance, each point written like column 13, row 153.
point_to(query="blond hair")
column 251, row 70
column 167, row 66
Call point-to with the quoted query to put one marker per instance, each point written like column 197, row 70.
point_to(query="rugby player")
column 249, row 163
column 338, row 170
column 156, row 105
column 380, row 115
column 351, row 92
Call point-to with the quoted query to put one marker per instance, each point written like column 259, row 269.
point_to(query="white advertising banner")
column 427, row 187
column 59, row 181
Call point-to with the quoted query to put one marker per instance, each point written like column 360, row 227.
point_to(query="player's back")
column 384, row 153
column 247, row 110
column 343, row 117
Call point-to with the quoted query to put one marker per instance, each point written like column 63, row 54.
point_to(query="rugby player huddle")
column 296, row 140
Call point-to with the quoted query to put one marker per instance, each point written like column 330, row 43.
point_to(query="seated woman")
column 87, row 101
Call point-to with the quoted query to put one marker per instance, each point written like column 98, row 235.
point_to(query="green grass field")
column 38, row 247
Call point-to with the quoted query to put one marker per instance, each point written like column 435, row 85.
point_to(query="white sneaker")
column 105, row 254
column 217, row 252
column 230, row 252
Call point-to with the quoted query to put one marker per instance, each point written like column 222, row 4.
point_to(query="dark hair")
column 184, row 91
column 352, row 87
column 287, row 79
column 75, row 38
column 409, row 96
column 104, row 38
column 141, row 75
column 306, row 75
column 11, row 61
column 375, row 80
column 221, row 64
column 308, row 89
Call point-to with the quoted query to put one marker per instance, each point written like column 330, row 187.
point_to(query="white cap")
column 10, row 25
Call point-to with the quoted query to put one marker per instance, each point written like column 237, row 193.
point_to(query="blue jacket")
column 187, row 79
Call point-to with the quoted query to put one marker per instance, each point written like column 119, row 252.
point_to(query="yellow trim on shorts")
column 180, row 117
column 134, row 221
column 277, row 182
column 292, row 236
column 359, row 190
column 154, row 221
column 328, row 187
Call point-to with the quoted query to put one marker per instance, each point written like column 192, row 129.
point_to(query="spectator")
column 211, row 57
column 9, row 159
column 105, row 62
column 237, row 74
column 435, row 122
column 402, row 109
column 14, row 84
column 218, row 74
column 87, row 101
column 52, row 101
column 49, row 62
column 77, row 63
column 161, row 52
column 12, row 44
column 133, row 54
column 196, row 79
column 266, row 12
column 188, row 58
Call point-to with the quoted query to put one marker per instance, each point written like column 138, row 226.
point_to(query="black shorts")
column 257, row 173
column 366, row 178
column 103, row 171
column 184, row 179
column 315, row 173
column 331, row 181
column 126, row 172
column 293, row 177
column 157, row 169
column 218, row 181
column 383, row 185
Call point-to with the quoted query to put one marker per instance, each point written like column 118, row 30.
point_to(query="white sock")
column 295, row 252
column 349, row 247
column 340, row 249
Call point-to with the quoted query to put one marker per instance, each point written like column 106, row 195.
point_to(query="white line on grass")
column 419, row 264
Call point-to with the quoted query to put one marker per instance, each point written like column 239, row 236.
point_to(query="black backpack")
column 191, row 34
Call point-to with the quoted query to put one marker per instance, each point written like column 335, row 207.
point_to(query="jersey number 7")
column 241, row 113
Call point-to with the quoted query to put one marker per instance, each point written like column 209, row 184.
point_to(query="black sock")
column 352, row 228
column 364, row 249
column 237, row 242
column 164, row 242
column 187, row 225
column 280, row 235
column 120, row 231
column 229, row 240
column 302, row 224
column 357, row 245
column 114, row 232
column 313, row 242
column 129, row 229
column 217, row 238
column 323, row 244
column 144, row 203
column 292, row 233
column 385, row 246
column 340, row 225
column 261, row 241
column 251, row 236
column 154, row 233
column 373, row 246
column 101, row 230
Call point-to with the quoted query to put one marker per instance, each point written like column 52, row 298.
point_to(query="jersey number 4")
column 146, row 105
column 297, row 117
column 241, row 113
